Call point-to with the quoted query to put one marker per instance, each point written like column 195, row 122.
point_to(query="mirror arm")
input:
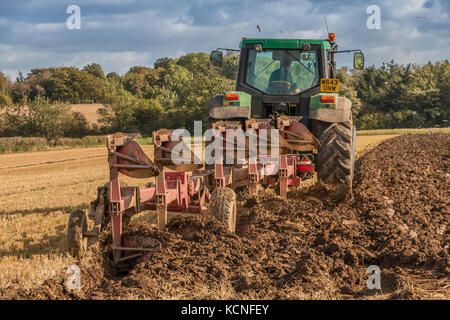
column 348, row 51
column 227, row 49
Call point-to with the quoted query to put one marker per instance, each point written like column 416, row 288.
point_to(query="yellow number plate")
column 329, row 85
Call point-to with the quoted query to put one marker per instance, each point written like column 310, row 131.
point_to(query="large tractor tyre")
column 223, row 207
column 76, row 230
column 335, row 159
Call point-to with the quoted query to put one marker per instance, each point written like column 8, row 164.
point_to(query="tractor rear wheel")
column 223, row 206
column 335, row 160
column 76, row 229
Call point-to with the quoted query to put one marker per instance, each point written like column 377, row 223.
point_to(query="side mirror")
column 215, row 59
column 358, row 61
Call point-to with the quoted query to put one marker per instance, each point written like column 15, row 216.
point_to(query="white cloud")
column 405, row 8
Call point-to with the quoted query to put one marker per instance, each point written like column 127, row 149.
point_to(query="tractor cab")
column 282, row 75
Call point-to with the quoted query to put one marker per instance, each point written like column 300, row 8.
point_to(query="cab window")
column 282, row 71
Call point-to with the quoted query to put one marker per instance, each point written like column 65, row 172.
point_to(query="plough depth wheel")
column 223, row 206
column 76, row 230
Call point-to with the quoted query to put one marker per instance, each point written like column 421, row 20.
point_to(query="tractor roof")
column 285, row 43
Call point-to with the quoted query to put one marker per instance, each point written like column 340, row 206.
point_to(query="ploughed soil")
column 308, row 246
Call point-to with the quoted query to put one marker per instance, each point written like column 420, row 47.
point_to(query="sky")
column 119, row 34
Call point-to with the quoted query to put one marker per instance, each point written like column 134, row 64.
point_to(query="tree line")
column 175, row 92
column 399, row 96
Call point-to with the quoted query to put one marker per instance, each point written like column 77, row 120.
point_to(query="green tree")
column 193, row 91
column 118, row 112
column 347, row 89
column 164, row 63
column 124, row 112
column 113, row 77
column 71, row 85
column 95, row 70
column 135, row 81
column 150, row 116
column 76, row 125
column 5, row 99
column 4, row 82
column 47, row 119
column 5, row 88
column 427, row 92
column 195, row 62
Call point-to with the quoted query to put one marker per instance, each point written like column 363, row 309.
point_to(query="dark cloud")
column 122, row 33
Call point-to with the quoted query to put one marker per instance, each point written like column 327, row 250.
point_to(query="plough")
column 191, row 187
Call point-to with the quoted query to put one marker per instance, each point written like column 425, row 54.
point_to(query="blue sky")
column 119, row 34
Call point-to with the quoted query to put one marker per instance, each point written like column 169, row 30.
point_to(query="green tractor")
column 294, row 78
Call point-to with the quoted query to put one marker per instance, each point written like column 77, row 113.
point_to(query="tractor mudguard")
column 341, row 113
column 218, row 111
